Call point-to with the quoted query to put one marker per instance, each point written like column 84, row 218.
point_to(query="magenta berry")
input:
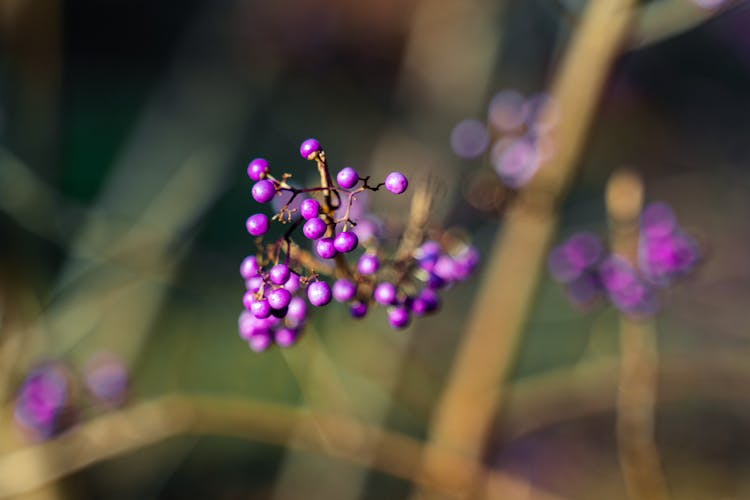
column 260, row 308
column 285, row 337
column 385, row 293
column 309, row 209
column 260, row 340
column 279, row 274
column 279, row 298
column 396, row 182
column 319, row 293
column 257, row 225
column 358, row 310
column 344, row 290
column 314, row 228
column 347, row 178
column 368, row 264
column 309, row 149
column 248, row 299
column 398, row 317
column 346, row 242
column 292, row 284
column 297, row 311
column 254, row 284
column 249, row 267
column 257, row 169
column 263, row 191
column 325, row 248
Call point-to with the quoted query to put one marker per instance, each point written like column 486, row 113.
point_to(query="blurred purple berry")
column 309, row 149
column 398, row 317
column 106, row 376
column 345, row 242
column 358, row 310
column 314, row 228
column 249, row 267
column 469, row 139
column 347, row 178
column 41, row 401
column 344, row 290
column 254, row 284
column 385, row 293
column 286, row 337
column 310, row 209
column 260, row 340
column 325, row 248
column 319, row 293
column 297, row 312
column 257, row 225
column 368, row 264
column 257, row 169
column 657, row 220
column 292, row 284
column 396, row 182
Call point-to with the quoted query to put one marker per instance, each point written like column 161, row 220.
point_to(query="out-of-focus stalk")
column 475, row 388
column 636, row 391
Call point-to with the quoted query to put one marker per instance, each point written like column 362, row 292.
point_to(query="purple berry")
column 346, row 242
column 347, row 177
column 398, row 317
column 368, row 264
column 314, row 228
column 279, row 298
column 249, row 267
column 396, row 182
column 254, row 284
column 292, row 284
column 297, row 311
column 319, row 293
column 358, row 310
column 279, row 274
column 263, row 191
column 285, row 337
column 309, row 209
column 425, row 303
column 257, row 169
column 260, row 340
column 248, row 299
column 325, row 248
column 42, row 400
column 309, row 149
column 261, row 308
column 257, row 225
column 385, row 293
column 344, row 290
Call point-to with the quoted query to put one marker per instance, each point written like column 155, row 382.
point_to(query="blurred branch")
column 474, row 391
column 148, row 423
column 636, row 391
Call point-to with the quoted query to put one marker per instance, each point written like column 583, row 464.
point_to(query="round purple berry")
column 249, row 267
column 285, row 337
column 279, row 274
column 263, row 191
column 279, row 298
column 257, row 225
column 368, row 264
column 347, row 177
column 248, row 299
column 292, row 284
column 425, row 303
column 260, row 340
column 309, row 149
column 314, row 228
column 319, row 293
column 344, row 290
column 257, row 169
column 260, row 308
column 396, row 182
column 326, row 248
column 297, row 311
column 358, row 310
column 309, row 209
column 385, row 293
column 346, row 242
column 398, row 317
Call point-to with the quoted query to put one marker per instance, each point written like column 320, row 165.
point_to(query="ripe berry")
column 358, row 310
column 344, row 290
column 347, row 177
column 249, row 267
column 297, row 311
column 326, row 248
column 254, row 284
column 319, row 293
column 257, row 225
column 248, row 299
column 260, row 340
column 292, row 284
column 309, row 209
column 314, row 228
column 279, row 298
column 396, row 182
column 263, row 191
column 398, row 317
column 309, row 149
column 261, row 308
column 385, row 293
column 346, row 242
column 285, row 337
column 279, row 274
column 257, row 169
column 368, row 264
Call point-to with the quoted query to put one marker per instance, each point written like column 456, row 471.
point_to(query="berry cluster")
column 665, row 252
column 347, row 246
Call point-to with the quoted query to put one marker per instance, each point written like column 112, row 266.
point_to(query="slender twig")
column 636, row 392
column 474, row 391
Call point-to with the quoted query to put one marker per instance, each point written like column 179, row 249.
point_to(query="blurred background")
column 125, row 132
